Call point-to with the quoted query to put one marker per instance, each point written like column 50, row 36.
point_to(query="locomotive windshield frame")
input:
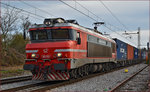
column 46, row 35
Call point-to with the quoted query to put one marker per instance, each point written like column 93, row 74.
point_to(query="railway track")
column 15, row 79
column 115, row 89
column 43, row 85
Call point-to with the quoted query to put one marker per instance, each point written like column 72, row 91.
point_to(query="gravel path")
column 100, row 83
column 138, row 83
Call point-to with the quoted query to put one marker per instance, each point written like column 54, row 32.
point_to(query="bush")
column 12, row 57
column 15, row 52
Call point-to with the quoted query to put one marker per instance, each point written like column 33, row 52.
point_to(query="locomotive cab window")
column 38, row 35
column 60, row 34
column 52, row 35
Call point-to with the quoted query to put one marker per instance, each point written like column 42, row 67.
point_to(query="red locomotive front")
column 59, row 50
column 50, row 51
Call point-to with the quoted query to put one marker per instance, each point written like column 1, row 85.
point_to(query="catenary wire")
column 114, row 15
column 96, row 16
column 67, row 5
column 37, row 8
column 22, row 10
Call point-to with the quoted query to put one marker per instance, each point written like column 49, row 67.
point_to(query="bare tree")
column 25, row 25
column 8, row 23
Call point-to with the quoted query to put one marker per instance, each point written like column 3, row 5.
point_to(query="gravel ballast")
column 137, row 83
column 19, row 84
column 100, row 83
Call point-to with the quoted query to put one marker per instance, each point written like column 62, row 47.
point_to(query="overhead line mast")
column 138, row 36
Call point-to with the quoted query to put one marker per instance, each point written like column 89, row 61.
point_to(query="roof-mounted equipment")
column 96, row 25
column 72, row 21
column 52, row 21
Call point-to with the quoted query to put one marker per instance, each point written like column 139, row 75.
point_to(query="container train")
column 62, row 49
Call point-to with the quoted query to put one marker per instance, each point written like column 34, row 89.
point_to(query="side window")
column 78, row 38
column 78, row 34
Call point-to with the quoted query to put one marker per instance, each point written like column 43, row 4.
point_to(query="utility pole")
column 135, row 33
column 139, row 38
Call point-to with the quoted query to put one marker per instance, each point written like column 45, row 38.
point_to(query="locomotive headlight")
column 48, row 23
column 59, row 54
column 33, row 55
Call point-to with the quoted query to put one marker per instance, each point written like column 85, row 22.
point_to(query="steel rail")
column 126, row 80
column 48, row 87
column 15, row 79
column 21, row 87
column 53, row 84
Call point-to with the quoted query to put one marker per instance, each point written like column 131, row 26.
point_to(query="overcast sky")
column 132, row 14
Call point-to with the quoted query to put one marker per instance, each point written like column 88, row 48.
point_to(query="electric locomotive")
column 62, row 49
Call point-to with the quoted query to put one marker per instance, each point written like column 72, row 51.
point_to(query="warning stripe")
column 60, row 78
column 63, row 76
column 67, row 75
column 57, row 78
column 51, row 76
column 36, row 76
column 41, row 76
column 33, row 77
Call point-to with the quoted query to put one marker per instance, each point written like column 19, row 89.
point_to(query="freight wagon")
column 121, row 48
column 135, row 53
column 127, row 53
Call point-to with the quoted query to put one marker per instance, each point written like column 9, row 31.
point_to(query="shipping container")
column 121, row 49
column 135, row 53
column 143, row 54
column 139, row 54
column 147, row 61
column 130, row 52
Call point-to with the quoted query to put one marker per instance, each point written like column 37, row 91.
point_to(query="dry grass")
column 13, row 71
column 12, row 68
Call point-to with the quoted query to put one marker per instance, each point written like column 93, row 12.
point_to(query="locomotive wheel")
column 111, row 66
column 103, row 67
column 75, row 74
column 99, row 67
column 71, row 73
column 118, row 64
column 86, row 70
column 108, row 67
column 80, row 71
column 114, row 65
column 91, row 68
